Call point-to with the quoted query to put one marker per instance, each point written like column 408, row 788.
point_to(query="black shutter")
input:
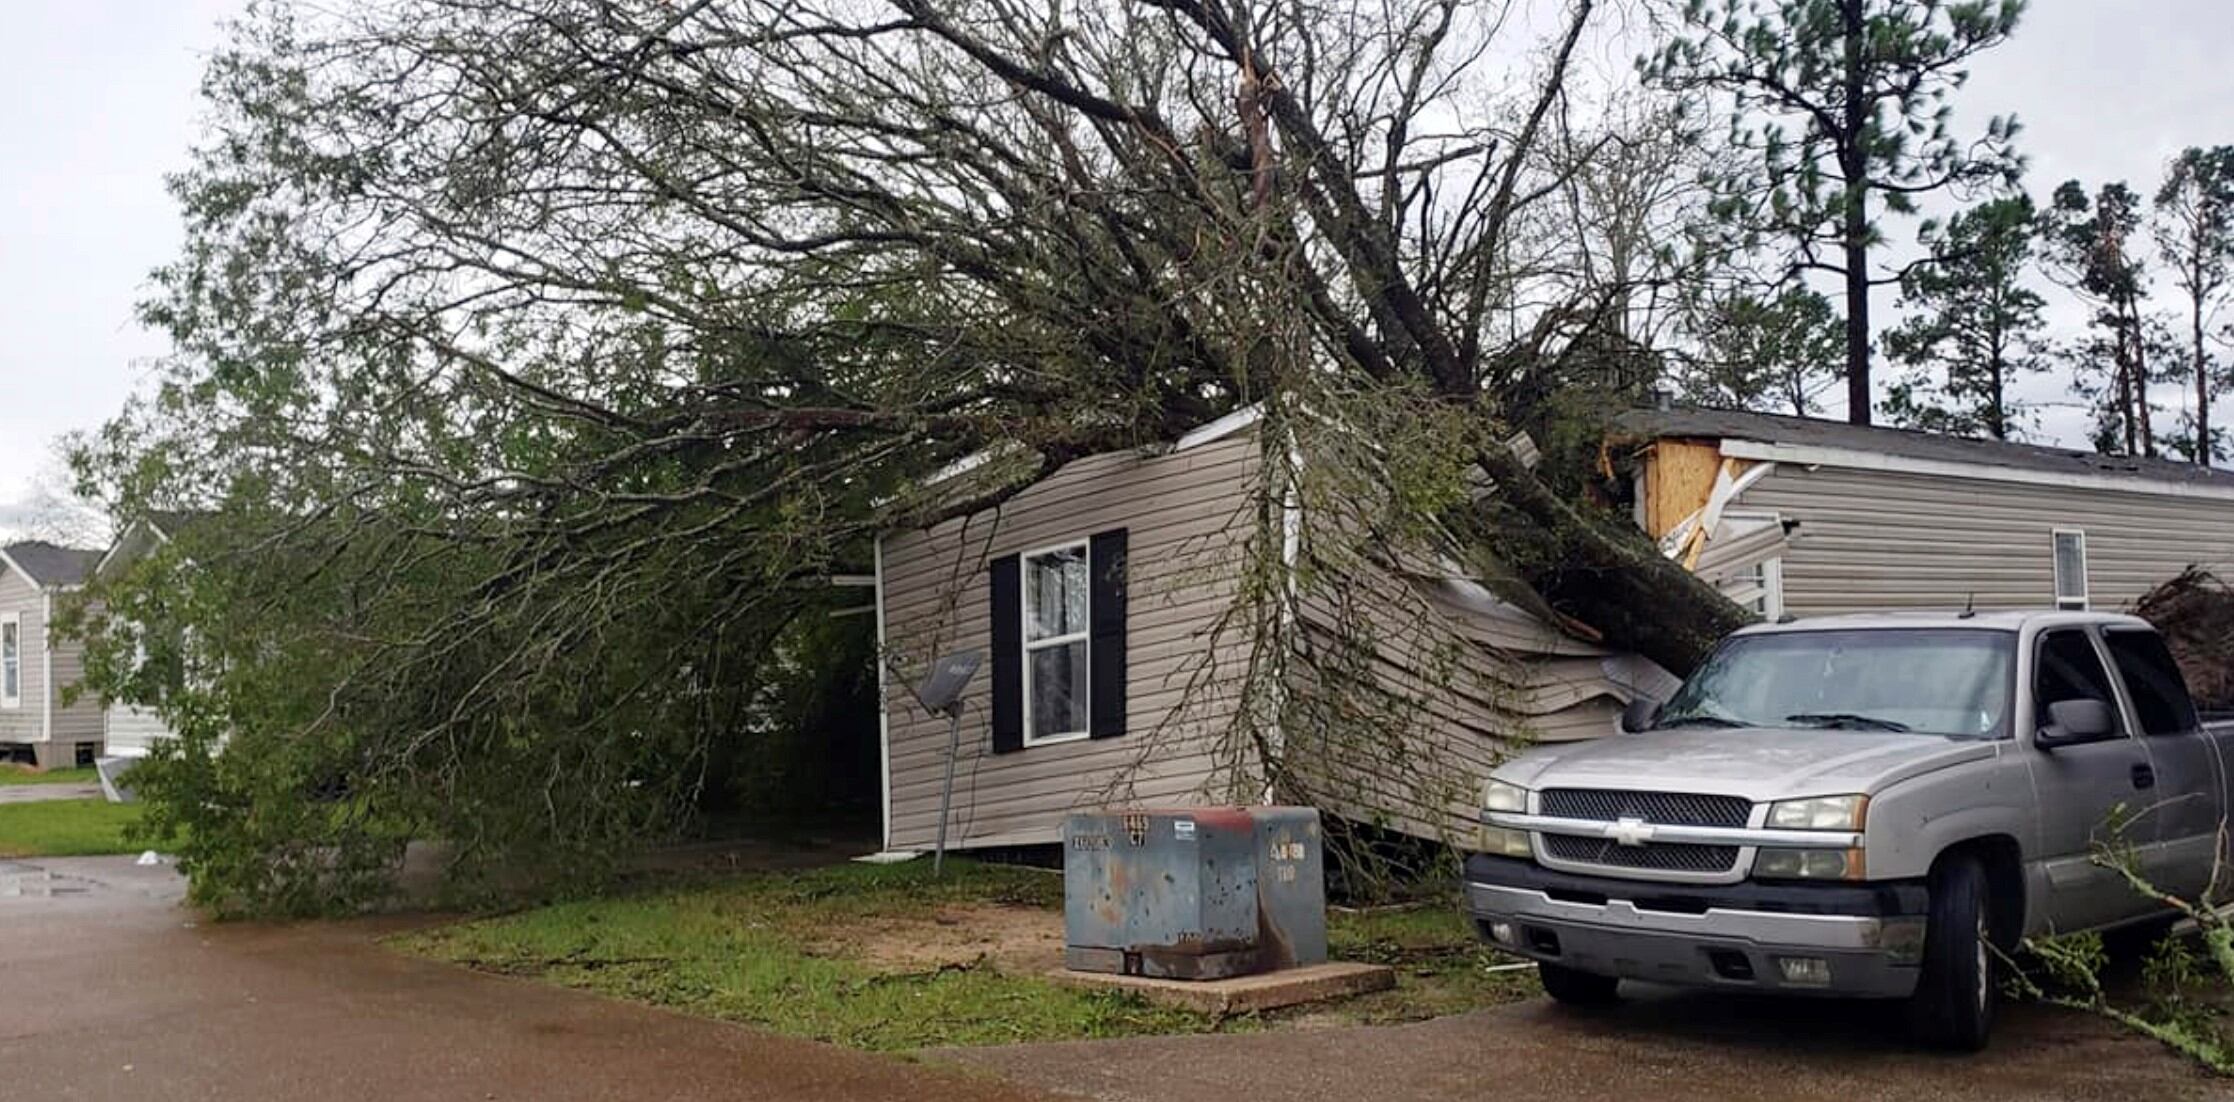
column 1105, row 559
column 1008, row 656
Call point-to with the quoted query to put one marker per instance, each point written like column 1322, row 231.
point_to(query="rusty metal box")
column 1193, row 893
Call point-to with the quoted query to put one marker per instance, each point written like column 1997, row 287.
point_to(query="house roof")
column 1816, row 433
column 48, row 565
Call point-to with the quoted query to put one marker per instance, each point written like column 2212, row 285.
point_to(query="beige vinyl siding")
column 1475, row 679
column 80, row 721
column 1871, row 539
column 25, row 722
column 1188, row 515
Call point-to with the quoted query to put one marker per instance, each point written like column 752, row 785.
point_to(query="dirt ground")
column 1017, row 941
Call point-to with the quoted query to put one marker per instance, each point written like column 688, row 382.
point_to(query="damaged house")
column 1796, row 516
column 1164, row 626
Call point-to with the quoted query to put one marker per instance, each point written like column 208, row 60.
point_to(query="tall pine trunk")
column 1855, row 168
column 2202, row 383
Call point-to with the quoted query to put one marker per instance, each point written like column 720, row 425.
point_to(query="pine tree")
column 1974, row 327
column 2194, row 230
column 1865, row 85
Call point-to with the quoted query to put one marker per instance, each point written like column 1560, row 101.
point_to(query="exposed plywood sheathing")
column 1678, row 479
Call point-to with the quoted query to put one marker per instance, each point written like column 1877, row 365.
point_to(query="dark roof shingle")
column 1772, row 428
column 52, row 565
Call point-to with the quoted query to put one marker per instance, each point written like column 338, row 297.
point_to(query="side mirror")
column 2071, row 722
column 1640, row 715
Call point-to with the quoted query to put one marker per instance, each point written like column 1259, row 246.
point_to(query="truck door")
column 2180, row 815
column 2079, row 788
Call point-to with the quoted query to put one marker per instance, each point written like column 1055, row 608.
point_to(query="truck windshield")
column 1938, row 681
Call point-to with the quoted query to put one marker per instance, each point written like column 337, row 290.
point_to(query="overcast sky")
column 98, row 102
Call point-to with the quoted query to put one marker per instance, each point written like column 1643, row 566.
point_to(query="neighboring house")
column 36, row 665
column 1109, row 602
column 1805, row 517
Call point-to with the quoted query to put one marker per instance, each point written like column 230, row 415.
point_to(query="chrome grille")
column 1668, row 808
column 1661, row 856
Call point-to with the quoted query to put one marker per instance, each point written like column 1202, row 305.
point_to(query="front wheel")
column 1577, row 988
column 1953, row 1006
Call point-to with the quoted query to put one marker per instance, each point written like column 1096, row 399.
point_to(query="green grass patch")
column 65, row 828
column 798, row 953
column 16, row 774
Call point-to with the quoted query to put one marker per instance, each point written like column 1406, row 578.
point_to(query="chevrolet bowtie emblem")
column 1630, row 832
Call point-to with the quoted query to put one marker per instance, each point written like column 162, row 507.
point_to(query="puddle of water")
column 22, row 880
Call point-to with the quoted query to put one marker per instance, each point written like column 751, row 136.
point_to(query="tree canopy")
column 538, row 362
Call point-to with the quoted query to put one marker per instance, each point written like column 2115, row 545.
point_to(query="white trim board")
column 1810, row 455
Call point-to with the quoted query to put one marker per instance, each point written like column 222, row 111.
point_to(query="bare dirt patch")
column 1010, row 939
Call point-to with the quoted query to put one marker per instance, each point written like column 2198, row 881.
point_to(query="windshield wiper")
column 1848, row 721
column 1700, row 719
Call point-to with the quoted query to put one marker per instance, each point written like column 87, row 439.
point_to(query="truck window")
column 2153, row 679
column 2069, row 669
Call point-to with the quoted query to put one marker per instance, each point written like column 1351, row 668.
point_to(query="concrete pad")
column 1244, row 994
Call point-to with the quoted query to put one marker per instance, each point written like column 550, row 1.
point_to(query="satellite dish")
column 941, row 690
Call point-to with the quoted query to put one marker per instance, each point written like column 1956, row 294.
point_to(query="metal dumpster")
column 1193, row 893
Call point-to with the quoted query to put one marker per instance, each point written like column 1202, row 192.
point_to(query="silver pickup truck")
column 1866, row 806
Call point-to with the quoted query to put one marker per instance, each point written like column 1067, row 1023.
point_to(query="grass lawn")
column 65, row 828
column 16, row 774
column 885, row 957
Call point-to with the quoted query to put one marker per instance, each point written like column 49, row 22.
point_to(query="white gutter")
column 1810, row 455
column 884, row 713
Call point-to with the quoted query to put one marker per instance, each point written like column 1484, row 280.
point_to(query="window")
column 1057, row 618
column 2071, row 568
column 2068, row 669
column 11, row 661
column 2152, row 678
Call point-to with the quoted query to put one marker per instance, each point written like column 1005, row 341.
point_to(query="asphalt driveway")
column 110, row 991
column 1666, row 1047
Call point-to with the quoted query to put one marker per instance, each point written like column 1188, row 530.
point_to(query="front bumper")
column 1870, row 936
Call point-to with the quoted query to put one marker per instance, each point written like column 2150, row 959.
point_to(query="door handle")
column 2143, row 775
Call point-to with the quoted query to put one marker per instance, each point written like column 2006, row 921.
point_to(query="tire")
column 1576, row 988
column 1953, row 1007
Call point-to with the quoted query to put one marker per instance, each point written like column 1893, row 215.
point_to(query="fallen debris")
column 2195, row 613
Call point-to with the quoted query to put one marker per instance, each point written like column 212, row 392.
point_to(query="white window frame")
column 2083, row 601
column 11, row 621
column 1084, row 634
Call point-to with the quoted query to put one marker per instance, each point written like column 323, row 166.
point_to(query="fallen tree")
column 543, row 358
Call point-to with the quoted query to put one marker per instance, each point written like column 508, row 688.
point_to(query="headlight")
column 1499, row 796
column 1506, row 843
column 1810, row 864
column 1822, row 813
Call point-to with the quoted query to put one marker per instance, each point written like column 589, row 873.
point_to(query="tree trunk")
column 2141, row 382
column 1997, row 413
column 1600, row 569
column 2202, row 384
column 1854, row 165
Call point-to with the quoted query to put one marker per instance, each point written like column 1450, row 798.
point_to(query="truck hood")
column 1758, row 763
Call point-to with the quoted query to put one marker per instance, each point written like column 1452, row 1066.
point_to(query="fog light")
column 1503, row 933
column 1506, row 843
column 1811, row 864
column 1805, row 971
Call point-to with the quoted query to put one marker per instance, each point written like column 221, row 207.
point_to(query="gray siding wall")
column 1887, row 540
column 24, row 722
column 1189, row 517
